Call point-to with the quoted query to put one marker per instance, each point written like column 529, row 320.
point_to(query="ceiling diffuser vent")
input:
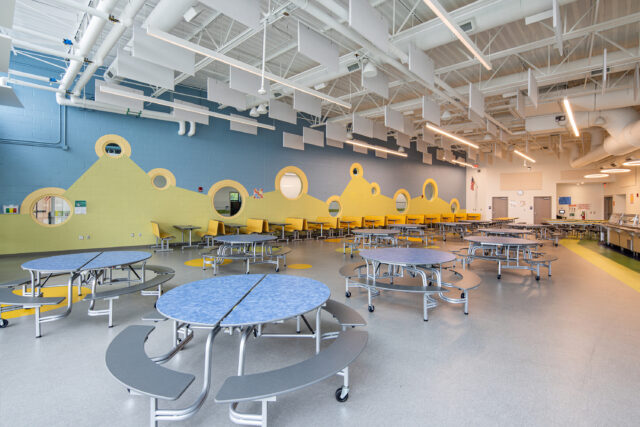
column 467, row 27
column 353, row 67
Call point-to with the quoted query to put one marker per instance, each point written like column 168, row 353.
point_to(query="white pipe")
column 32, row 85
column 99, row 106
column 192, row 128
column 88, row 9
column 32, row 76
column 126, row 20
column 182, row 128
column 60, row 54
column 84, row 46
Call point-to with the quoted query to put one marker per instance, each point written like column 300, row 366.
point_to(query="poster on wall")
column 80, row 207
column 564, row 200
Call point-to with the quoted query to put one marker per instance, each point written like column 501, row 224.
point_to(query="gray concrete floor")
column 562, row 351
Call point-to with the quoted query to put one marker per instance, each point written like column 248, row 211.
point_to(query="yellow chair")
column 295, row 226
column 415, row 219
column 253, row 226
column 374, row 221
column 446, row 217
column 395, row 219
column 474, row 216
column 161, row 237
column 459, row 217
column 215, row 228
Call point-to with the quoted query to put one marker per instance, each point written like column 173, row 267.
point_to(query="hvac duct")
column 126, row 20
column 167, row 14
column 84, row 46
column 622, row 124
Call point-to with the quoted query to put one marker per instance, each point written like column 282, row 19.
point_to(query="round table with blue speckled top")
column 81, row 267
column 243, row 301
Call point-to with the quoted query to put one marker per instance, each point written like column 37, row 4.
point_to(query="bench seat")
column 344, row 350
column 345, row 315
column 418, row 288
column 545, row 260
column 8, row 297
column 464, row 281
column 115, row 293
column 128, row 362
column 351, row 270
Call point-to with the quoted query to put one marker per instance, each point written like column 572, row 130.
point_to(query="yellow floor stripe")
column 620, row 272
column 348, row 250
column 46, row 292
column 332, row 240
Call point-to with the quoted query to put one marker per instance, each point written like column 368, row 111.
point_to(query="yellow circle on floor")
column 433, row 247
column 332, row 240
column 197, row 262
column 348, row 250
column 299, row 266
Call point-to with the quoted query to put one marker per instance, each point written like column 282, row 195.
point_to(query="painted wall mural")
column 112, row 203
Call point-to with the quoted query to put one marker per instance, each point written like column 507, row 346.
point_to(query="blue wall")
column 27, row 161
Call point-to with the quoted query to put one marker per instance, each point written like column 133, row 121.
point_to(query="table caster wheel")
column 339, row 393
column 538, row 278
column 277, row 269
column 499, row 276
column 351, row 255
column 347, row 294
column 371, row 308
column 3, row 323
column 462, row 295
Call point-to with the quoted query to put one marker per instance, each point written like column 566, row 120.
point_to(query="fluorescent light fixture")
column 463, row 163
column 206, row 112
column 615, row 170
column 441, row 13
column 436, row 129
column 632, row 163
column 596, row 175
column 374, row 147
column 524, row 156
column 217, row 56
column 572, row 120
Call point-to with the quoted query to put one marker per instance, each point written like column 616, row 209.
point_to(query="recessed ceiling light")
column 615, row 170
column 596, row 175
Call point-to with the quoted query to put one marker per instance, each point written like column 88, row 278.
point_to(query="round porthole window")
column 375, row 189
column 356, row 170
column 455, row 205
column 401, row 199
column 334, row 206
column 51, row 210
column 159, row 181
column 430, row 190
column 113, row 150
column 227, row 201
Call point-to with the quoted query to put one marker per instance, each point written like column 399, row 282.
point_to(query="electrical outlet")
column 80, row 237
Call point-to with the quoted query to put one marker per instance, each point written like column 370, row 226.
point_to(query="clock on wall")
column 520, row 192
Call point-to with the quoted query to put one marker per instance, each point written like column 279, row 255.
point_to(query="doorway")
column 608, row 207
column 541, row 209
column 499, row 207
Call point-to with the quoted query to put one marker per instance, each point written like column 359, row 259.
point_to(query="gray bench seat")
column 153, row 316
column 267, row 257
column 464, row 281
column 128, row 362
column 8, row 297
column 344, row 350
column 345, row 315
column 544, row 260
column 399, row 286
column 113, row 294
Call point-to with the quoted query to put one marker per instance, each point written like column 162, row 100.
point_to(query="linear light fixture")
column 596, row 175
column 632, row 163
column 572, row 119
column 463, row 163
column 442, row 13
column 374, row 147
column 217, row 56
column 124, row 94
column 615, row 170
column 524, row 156
column 436, row 129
